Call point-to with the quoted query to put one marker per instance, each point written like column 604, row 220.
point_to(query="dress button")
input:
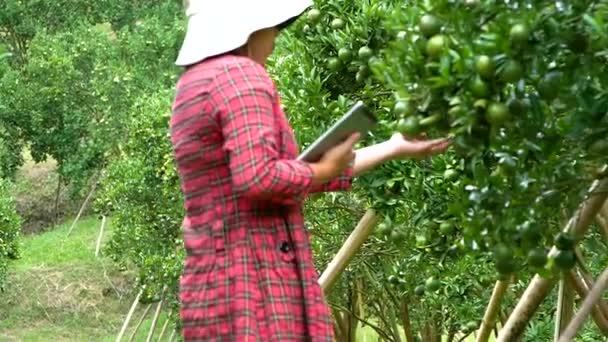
column 285, row 247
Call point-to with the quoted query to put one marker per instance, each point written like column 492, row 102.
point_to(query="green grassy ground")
column 60, row 291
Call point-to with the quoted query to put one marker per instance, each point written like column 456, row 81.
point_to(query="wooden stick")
column 590, row 300
column 103, row 223
column 155, row 319
column 579, row 286
column 588, row 281
column 84, row 204
column 489, row 318
column 345, row 255
column 565, row 308
column 164, row 328
column 129, row 315
column 539, row 287
column 141, row 320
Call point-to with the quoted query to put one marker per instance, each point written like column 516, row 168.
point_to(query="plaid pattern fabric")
column 248, row 273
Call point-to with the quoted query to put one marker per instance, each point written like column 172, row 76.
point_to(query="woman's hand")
column 335, row 161
column 405, row 147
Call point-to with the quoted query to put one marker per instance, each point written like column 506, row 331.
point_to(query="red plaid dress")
column 248, row 273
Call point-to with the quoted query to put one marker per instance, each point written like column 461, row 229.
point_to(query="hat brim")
column 210, row 34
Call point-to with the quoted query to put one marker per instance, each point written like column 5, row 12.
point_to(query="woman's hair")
column 286, row 23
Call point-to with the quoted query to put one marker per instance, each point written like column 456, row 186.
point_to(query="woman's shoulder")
column 239, row 69
column 227, row 75
column 230, row 66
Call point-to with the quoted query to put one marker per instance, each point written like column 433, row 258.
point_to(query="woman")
column 249, row 274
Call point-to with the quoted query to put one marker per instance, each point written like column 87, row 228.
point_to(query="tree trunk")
column 394, row 326
column 540, row 287
column 589, row 302
column 451, row 336
column 57, row 193
column 354, row 308
column 603, row 225
column 604, row 211
column 426, row 334
column 340, row 326
column 489, row 318
column 405, row 320
column 579, row 286
column 435, row 331
column 565, row 308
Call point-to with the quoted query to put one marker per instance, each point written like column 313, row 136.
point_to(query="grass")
column 60, row 291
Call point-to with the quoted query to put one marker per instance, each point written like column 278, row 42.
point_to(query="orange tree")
column 524, row 103
column 522, row 99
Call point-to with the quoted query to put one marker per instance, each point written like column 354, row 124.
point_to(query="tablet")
column 358, row 119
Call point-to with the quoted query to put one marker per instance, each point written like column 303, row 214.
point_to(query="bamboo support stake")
column 84, row 204
column 539, row 287
column 588, row 281
column 129, row 315
column 164, row 328
column 141, row 320
column 589, row 302
column 565, row 307
column 579, row 286
column 155, row 319
column 345, row 255
column 489, row 318
column 103, row 224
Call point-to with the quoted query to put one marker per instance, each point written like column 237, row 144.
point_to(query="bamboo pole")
column 489, row 318
column 565, row 307
column 141, row 320
column 164, row 328
column 345, row 255
column 155, row 319
column 103, row 224
column 579, row 286
column 539, row 287
column 589, row 302
column 84, row 204
column 129, row 315
column 588, row 281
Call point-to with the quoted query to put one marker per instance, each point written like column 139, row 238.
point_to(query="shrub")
column 10, row 225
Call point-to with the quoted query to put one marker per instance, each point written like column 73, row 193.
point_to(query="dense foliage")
column 10, row 224
column 521, row 86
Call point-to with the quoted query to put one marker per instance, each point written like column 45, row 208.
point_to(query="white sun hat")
column 219, row 26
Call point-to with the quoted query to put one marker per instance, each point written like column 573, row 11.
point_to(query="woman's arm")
column 245, row 112
column 370, row 157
